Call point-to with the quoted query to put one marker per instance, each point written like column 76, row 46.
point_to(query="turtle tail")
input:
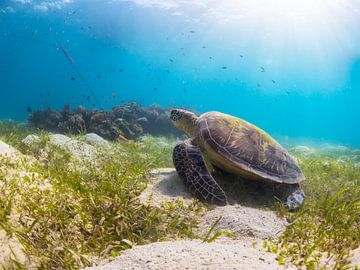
column 190, row 166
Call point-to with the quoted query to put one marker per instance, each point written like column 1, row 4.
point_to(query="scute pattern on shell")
column 248, row 146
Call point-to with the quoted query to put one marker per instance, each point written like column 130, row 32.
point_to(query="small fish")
column 224, row 67
column 72, row 78
column 192, row 31
column 28, row 109
column 241, row 56
column 287, row 92
column 210, row 57
column 273, row 81
column 88, row 98
column 258, row 85
column 113, row 95
column 121, row 70
column 262, row 69
column 125, row 140
column 204, row 47
column 155, row 89
column 98, row 76
column 185, row 90
column 171, row 60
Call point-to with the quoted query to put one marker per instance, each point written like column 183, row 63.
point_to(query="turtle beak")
column 295, row 199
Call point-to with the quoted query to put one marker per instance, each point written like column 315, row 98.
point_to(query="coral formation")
column 128, row 120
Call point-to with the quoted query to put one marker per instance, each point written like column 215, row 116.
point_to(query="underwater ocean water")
column 290, row 67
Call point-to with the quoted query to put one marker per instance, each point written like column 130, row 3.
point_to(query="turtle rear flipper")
column 190, row 165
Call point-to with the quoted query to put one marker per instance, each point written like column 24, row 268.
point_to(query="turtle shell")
column 237, row 146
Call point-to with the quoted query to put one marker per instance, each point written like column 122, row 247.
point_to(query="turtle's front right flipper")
column 190, row 166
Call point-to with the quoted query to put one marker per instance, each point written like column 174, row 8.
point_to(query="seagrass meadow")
column 71, row 213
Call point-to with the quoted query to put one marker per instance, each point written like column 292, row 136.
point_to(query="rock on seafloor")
column 355, row 258
column 194, row 255
column 7, row 150
column 77, row 148
column 10, row 247
column 95, row 139
column 31, row 139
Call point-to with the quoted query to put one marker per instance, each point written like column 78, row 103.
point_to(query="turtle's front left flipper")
column 190, row 166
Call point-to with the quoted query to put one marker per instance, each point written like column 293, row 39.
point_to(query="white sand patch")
column 179, row 255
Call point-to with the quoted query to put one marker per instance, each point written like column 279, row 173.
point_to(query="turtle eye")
column 175, row 115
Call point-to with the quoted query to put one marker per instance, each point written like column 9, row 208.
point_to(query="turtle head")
column 184, row 120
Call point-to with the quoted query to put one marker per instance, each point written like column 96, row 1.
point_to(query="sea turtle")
column 218, row 140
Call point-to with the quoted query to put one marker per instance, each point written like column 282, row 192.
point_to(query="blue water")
column 290, row 67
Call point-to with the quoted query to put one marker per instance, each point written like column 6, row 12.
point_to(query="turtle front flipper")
column 190, row 166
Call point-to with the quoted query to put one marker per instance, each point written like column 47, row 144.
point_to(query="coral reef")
column 128, row 120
